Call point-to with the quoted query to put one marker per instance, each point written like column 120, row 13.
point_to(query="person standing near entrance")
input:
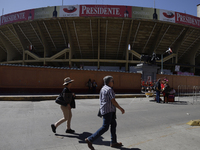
column 94, row 86
column 158, row 89
column 89, row 85
column 107, row 110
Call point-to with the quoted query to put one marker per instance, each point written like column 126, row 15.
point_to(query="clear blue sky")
column 185, row 6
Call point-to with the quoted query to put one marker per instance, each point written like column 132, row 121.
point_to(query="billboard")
column 187, row 19
column 145, row 13
column 101, row 11
column 17, row 17
column 105, row 11
column 46, row 12
column 166, row 15
column 69, row 11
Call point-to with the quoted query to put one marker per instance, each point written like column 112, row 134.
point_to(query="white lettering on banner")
column 100, row 10
column 188, row 19
column 13, row 17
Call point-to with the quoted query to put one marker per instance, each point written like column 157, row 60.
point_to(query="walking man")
column 108, row 112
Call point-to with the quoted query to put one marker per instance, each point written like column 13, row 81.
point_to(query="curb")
column 53, row 97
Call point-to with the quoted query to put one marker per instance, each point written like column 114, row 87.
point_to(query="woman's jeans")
column 158, row 96
column 108, row 120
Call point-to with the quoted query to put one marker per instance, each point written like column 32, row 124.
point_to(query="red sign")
column 105, row 11
column 187, row 19
column 18, row 16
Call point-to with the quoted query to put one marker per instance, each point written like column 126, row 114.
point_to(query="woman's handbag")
column 60, row 100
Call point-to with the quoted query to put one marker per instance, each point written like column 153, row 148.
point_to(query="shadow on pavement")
column 81, row 137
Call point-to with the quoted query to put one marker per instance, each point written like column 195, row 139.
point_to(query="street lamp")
column 169, row 51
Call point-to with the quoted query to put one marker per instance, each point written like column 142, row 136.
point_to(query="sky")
column 184, row 6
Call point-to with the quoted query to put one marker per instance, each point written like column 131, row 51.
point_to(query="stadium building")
column 108, row 37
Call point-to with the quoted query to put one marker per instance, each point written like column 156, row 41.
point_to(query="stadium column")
column 22, row 43
column 191, row 55
column 44, row 41
column 11, row 51
column 99, row 42
column 179, row 42
column 127, row 43
column 70, row 42
column 157, row 39
column 2, row 55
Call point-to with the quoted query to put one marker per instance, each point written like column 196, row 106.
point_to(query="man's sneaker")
column 53, row 127
column 70, row 131
column 116, row 145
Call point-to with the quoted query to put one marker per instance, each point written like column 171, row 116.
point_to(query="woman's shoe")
column 70, row 131
column 53, row 127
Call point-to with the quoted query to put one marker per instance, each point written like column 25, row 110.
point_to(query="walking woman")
column 69, row 97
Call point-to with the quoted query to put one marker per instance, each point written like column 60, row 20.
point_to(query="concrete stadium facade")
column 99, row 35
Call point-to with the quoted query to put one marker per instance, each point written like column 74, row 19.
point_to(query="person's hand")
column 122, row 110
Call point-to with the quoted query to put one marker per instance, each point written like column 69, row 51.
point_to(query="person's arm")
column 117, row 105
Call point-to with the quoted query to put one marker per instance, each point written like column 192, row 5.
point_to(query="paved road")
column 146, row 125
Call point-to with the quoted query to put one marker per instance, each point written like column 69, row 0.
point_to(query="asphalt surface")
column 146, row 125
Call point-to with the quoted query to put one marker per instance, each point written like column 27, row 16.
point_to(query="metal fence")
column 196, row 95
column 189, row 91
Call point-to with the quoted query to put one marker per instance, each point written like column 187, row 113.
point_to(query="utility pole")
column 2, row 11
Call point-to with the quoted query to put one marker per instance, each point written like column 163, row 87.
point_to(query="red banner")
column 17, row 17
column 105, row 11
column 187, row 19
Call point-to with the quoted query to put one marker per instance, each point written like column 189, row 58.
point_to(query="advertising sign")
column 69, row 11
column 17, row 17
column 145, row 13
column 187, row 19
column 166, row 15
column 46, row 12
column 105, row 11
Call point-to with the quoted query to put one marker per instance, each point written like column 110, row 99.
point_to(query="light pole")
column 169, row 51
column 161, row 64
